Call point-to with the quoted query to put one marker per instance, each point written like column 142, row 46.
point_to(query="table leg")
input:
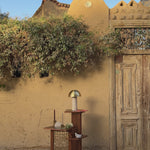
column 52, row 140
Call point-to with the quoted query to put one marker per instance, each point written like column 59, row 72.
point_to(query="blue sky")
column 26, row 8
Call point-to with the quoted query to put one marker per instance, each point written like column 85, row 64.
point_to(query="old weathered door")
column 133, row 102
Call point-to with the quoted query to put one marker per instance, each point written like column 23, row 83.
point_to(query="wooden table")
column 74, row 143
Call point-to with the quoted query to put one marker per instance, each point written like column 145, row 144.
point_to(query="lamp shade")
column 74, row 93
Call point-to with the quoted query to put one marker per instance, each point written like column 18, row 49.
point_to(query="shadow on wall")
column 8, row 84
column 85, row 72
column 94, row 128
column 11, row 82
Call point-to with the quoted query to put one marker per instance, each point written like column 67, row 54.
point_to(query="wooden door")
column 129, row 117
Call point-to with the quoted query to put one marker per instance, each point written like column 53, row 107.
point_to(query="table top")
column 56, row 129
column 77, row 111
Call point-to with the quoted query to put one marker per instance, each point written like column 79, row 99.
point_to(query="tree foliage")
column 111, row 43
column 14, row 42
column 62, row 45
column 3, row 17
column 55, row 45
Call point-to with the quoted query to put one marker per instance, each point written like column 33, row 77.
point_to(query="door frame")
column 112, row 97
column 112, row 105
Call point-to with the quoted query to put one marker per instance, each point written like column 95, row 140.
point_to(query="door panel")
column 128, row 102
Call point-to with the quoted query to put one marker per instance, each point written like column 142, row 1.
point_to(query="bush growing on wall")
column 13, row 44
column 111, row 43
column 55, row 45
column 62, row 45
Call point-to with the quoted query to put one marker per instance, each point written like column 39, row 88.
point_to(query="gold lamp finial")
column 74, row 93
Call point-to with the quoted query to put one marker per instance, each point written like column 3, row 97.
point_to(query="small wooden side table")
column 74, row 143
column 76, row 118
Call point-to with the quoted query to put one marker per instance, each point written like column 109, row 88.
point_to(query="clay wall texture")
column 51, row 7
column 28, row 108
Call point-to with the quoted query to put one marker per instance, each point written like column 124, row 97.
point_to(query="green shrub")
column 54, row 45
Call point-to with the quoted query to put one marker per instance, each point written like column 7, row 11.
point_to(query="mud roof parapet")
column 58, row 4
column 131, row 13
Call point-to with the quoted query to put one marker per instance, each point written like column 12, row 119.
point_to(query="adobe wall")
column 94, row 12
column 51, row 7
column 28, row 108
column 130, row 15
